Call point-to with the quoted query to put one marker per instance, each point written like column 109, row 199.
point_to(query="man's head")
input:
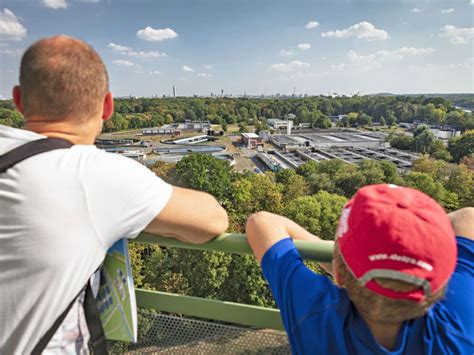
column 395, row 251
column 62, row 79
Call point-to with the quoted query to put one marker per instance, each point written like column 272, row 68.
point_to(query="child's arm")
column 264, row 229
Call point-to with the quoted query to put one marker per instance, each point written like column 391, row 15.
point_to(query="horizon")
column 254, row 48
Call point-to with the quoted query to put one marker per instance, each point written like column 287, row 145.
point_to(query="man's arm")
column 264, row 229
column 190, row 216
column 463, row 222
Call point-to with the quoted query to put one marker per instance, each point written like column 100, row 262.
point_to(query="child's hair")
column 380, row 308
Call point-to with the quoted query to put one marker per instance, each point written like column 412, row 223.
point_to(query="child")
column 406, row 282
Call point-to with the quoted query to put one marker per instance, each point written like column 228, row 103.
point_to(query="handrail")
column 237, row 244
column 244, row 314
column 231, row 312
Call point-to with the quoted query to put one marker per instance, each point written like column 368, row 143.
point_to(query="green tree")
column 401, row 141
column 295, row 185
column 206, row 173
column 435, row 189
column 423, row 139
column 462, row 146
column 318, row 213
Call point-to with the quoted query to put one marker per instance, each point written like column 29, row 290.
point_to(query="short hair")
column 377, row 307
column 62, row 78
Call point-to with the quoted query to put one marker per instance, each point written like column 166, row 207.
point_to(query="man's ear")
column 17, row 98
column 108, row 106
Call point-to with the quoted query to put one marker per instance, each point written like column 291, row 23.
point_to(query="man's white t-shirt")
column 59, row 213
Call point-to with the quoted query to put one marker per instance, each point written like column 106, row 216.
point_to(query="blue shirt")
column 319, row 317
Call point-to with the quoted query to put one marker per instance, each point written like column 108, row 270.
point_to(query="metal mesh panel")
column 161, row 333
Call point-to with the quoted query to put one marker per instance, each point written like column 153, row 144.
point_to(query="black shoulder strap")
column 30, row 149
column 94, row 323
column 44, row 341
column 97, row 340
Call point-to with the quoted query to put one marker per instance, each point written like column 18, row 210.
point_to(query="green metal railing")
column 259, row 317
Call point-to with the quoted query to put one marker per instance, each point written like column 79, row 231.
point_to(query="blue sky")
column 255, row 47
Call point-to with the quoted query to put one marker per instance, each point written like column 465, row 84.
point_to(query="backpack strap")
column 94, row 324
column 30, row 149
column 46, row 338
column 97, row 336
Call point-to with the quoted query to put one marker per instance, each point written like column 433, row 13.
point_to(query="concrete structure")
column 350, row 146
column 350, row 155
column 445, row 134
column 135, row 154
column 165, row 129
column 278, row 124
column 177, row 128
column 190, row 140
column 252, row 140
column 328, row 139
column 185, row 149
column 175, row 93
column 270, row 161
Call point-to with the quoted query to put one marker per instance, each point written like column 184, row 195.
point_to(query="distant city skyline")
column 256, row 47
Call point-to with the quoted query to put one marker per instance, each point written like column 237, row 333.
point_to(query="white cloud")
column 399, row 53
column 287, row 53
column 204, row 75
column 12, row 52
column 155, row 72
column 10, row 26
column 472, row 2
column 208, row 67
column 188, row 69
column 151, row 34
column 313, row 24
column 55, row 4
column 467, row 65
column 457, row 35
column 135, row 54
column 364, row 63
column 290, row 67
column 304, row 46
column 118, row 47
column 123, row 63
column 363, row 30
column 146, row 55
column 447, row 11
column 415, row 10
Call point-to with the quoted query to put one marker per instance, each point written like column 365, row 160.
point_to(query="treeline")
column 131, row 113
column 424, row 141
column 313, row 196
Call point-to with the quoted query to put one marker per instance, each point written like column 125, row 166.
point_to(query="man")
column 60, row 211
column 394, row 258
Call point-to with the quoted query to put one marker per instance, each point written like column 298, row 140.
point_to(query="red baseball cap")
column 388, row 231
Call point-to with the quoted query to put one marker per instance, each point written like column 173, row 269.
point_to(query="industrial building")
column 328, row 139
column 445, row 134
column 351, row 155
column 135, row 154
column 173, row 154
column 288, row 125
column 350, row 146
column 252, row 140
column 177, row 128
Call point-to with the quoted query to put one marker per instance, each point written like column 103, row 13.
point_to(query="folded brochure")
column 116, row 297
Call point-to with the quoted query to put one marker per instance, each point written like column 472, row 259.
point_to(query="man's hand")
column 463, row 222
column 190, row 216
column 264, row 229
